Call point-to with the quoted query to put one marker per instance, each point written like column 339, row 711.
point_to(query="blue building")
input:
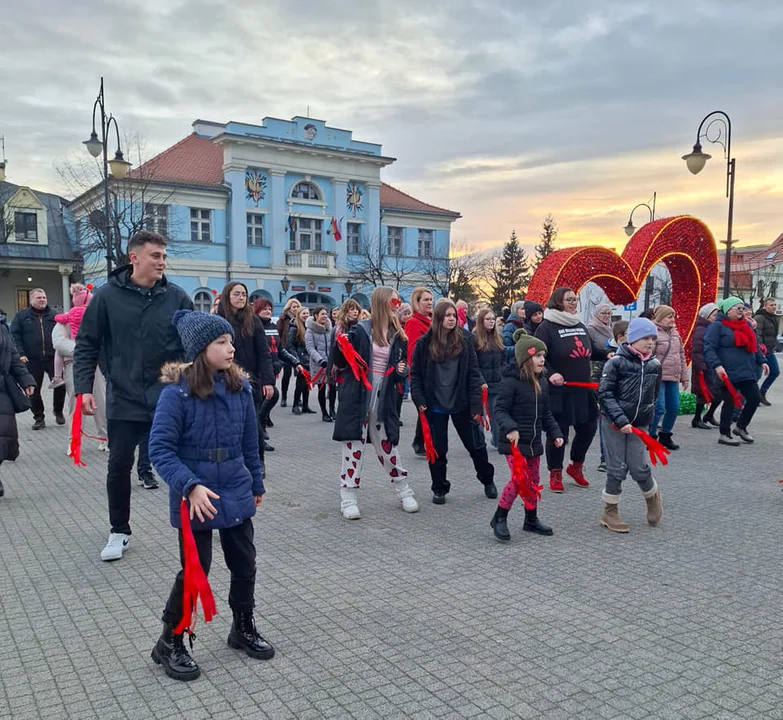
column 291, row 208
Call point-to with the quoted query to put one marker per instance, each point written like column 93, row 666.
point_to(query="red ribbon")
column 528, row 492
column 485, row 420
column 76, row 434
column 311, row 383
column 429, row 447
column 355, row 361
column 735, row 396
column 656, row 450
column 705, row 391
column 587, row 385
column 195, row 579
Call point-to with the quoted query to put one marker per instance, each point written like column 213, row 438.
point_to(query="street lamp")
column 2, row 158
column 119, row 165
column 348, row 289
column 696, row 160
column 629, row 228
column 285, row 283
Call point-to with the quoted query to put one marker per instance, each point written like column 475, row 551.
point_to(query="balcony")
column 314, row 262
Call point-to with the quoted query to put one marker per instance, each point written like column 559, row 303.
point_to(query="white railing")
column 317, row 260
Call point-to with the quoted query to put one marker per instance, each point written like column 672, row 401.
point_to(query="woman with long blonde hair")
column 283, row 326
column 372, row 360
column 446, row 382
column 297, row 346
column 493, row 356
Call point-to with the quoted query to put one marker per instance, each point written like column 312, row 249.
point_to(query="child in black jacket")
column 521, row 413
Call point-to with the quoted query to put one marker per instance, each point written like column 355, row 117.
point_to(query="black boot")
column 306, row 410
column 534, row 525
column 332, row 413
column 326, row 417
column 709, row 418
column 170, row 652
column 498, row 525
column 245, row 637
column 2, row 489
column 666, row 440
column 764, row 400
column 700, row 425
column 296, row 410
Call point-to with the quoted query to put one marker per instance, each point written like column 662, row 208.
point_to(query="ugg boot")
column 665, row 438
column 405, row 493
column 556, row 481
column 348, row 506
column 610, row 517
column 534, row 525
column 499, row 526
column 170, row 652
column 654, row 510
column 245, row 637
column 575, row 471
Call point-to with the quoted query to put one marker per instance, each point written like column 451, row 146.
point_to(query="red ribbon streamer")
column 485, row 420
column 735, row 396
column 587, row 385
column 705, row 391
column 311, row 383
column 528, row 492
column 355, row 361
column 429, row 447
column 195, row 579
column 76, row 434
column 656, row 450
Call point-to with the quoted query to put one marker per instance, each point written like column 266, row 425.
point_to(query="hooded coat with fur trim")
column 318, row 343
column 211, row 442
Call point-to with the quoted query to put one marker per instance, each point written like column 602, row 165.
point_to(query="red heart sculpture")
column 684, row 244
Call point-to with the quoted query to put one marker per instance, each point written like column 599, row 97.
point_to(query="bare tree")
column 136, row 202
column 456, row 276
column 373, row 265
column 757, row 282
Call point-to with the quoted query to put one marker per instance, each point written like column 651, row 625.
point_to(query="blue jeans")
column 774, row 372
column 668, row 406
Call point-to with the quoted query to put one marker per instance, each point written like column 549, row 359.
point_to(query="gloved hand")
column 323, row 363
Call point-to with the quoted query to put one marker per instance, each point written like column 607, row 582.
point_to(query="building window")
column 425, row 243
column 394, row 241
column 353, row 236
column 156, row 218
column 308, row 235
column 26, row 227
column 202, row 301
column 200, row 225
column 255, row 229
column 305, row 191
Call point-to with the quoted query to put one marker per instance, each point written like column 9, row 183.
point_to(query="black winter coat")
column 297, row 349
column 698, row 361
column 492, row 362
column 10, row 364
column 251, row 353
column 353, row 395
column 280, row 356
column 519, row 407
column 424, row 376
column 629, row 388
column 130, row 329
column 767, row 329
column 31, row 331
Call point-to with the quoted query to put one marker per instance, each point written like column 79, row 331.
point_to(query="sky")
column 504, row 110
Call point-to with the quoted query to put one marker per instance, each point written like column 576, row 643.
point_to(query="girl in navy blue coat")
column 204, row 444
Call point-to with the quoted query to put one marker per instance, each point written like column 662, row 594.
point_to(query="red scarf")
column 743, row 334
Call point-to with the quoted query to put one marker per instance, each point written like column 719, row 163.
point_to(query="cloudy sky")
column 502, row 109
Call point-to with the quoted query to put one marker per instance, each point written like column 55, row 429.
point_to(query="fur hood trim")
column 171, row 372
column 311, row 324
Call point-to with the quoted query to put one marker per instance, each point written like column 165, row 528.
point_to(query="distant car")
column 779, row 344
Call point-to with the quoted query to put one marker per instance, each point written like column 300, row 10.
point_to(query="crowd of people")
column 193, row 394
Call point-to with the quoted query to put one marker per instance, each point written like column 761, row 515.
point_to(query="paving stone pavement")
column 398, row 615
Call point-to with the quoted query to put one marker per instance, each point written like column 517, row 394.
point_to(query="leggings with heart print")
column 353, row 454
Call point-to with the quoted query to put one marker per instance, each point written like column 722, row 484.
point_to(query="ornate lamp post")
column 119, row 165
column 629, row 228
column 696, row 161
column 348, row 289
column 285, row 283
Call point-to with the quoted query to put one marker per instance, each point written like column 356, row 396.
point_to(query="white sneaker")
column 103, row 446
column 117, row 544
column 409, row 504
column 348, row 506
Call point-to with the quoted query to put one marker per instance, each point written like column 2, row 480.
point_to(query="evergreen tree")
column 548, row 237
column 514, row 270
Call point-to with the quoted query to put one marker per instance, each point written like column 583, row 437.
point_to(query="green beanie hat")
column 526, row 346
column 728, row 303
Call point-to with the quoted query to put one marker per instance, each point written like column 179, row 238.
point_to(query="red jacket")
column 416, row 326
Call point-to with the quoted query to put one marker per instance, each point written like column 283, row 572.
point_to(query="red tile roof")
column 392, row 198
column 196, row 160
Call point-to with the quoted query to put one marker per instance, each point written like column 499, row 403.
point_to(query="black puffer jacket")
column 424, row 374
column 10, row 364
column 767, row 329
column 280, row 356
column 629, row 388
column 32, row 333
column 296, row 348
column 251, row 353
column 519, row 407
column 354, row 396
column 130, row 329
column 492, row 363
column 698, row 362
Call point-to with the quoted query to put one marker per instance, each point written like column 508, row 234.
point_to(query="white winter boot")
column 348, row 506
column 405, row 493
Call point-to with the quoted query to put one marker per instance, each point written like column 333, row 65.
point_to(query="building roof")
column 196, row 160
column 757, row 257
column 59, row 240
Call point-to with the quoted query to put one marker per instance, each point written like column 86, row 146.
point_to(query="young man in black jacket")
column 31, row 331
column 767, row 333
column 128, row 326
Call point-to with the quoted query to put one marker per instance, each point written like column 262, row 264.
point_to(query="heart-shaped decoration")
column 684, row 244
column 386, row 446
column 357, row 454
column 380, row 457
column 394, row 472
column 350, row 472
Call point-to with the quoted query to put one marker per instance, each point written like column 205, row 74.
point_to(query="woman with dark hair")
column 283, row 327
column 251, row 349
column 418, row 324
column 318, row 332
column 569, row 360
column 297, row 346
column 493, row 356
column 446, row 382
column 702, row 375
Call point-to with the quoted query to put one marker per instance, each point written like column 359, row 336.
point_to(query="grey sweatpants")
column 625, row 454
